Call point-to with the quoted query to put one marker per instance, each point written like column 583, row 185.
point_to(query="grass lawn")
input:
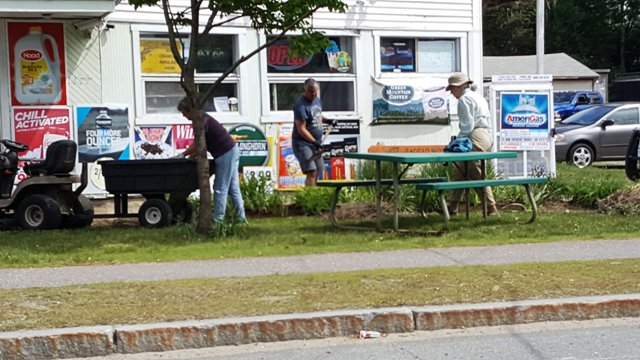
column 294, row 236
column 127, row 303
column 147, row 302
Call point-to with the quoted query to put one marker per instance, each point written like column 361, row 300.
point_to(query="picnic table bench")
column 443, row 186
column 338, row 185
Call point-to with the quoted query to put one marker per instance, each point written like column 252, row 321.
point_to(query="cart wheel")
column 82, row 214
column 155, row 213
column 38, row 212
column 182, row 212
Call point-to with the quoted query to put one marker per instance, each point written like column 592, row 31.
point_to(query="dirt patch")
column 625, row 201
column 106, row 207
column 359, row 210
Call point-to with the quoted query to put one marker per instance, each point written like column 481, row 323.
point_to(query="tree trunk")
column 204, row 215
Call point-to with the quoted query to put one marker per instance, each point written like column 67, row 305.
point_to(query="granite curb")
column 105, row 340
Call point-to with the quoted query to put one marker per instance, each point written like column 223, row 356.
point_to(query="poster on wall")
column 524, row 121
column 153, row 142
column 253, row 145
column 289, row 175
column 410, row 101
column 156, row 56
column 103, row 132
column 182, row 137
column 343, row 138
column 37, row 63
column 38, row 127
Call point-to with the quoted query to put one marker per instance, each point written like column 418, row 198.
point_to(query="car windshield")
column 563, row 97
column 588, row 116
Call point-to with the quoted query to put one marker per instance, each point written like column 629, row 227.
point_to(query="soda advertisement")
column 36, row 62
column 39, row 127
column 289, row 175
column 182, row 137
column 524, row 121
column 103, row 132
column 153, row 142
column 344, row 137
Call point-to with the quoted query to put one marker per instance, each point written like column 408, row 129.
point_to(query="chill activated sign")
column 253, row 145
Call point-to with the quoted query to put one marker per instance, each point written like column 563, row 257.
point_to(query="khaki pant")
column 482, row 140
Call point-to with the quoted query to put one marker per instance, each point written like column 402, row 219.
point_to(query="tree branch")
column 244, row 58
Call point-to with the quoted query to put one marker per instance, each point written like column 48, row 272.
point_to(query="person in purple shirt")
column 226, row 157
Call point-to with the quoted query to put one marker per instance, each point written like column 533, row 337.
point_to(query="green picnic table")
column 400, row 162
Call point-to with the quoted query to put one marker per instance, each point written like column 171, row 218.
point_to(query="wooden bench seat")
column 338, row 185
column 441, row 187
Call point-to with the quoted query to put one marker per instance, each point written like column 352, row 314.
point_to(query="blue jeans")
column 227, row 182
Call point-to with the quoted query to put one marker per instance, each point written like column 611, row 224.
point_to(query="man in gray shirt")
column 307, row 131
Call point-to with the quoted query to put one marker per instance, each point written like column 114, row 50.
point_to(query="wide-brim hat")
column 458, row 79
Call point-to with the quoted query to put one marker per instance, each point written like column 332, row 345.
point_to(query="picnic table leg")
column 467, row 199
column 334, row 204
column 532, row 201
column 378, row 196
column 445, row 210
column 483, row 176
column 423, row 205
column 396, row 185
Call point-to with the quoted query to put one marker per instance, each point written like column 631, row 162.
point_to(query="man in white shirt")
column 474, row 115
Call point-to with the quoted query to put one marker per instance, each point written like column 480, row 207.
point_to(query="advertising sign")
column 182, row 137
column 38, row 127
column 344, row 137
column 37, row 63
column 156, row 57
column 253, row 145
column 103, row 132
column 153, row 142
column 410, row 101
column 524, row 122
column 289, row 175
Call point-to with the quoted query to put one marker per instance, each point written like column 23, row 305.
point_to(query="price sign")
column 260, row 172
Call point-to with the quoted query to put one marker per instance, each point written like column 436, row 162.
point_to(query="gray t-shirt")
column 311, row 113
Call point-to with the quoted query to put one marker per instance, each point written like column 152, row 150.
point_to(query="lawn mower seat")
column 60, row 159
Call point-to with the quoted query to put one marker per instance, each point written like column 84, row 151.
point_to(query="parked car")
column 599, row 133
column 567, row 103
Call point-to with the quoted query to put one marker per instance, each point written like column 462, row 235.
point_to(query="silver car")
column 600, row 133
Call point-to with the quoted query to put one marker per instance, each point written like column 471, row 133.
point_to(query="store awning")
column 58, row 9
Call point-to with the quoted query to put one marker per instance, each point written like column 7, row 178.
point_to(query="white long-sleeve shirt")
column 473, row 112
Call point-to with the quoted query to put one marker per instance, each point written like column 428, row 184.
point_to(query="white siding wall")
column 415, row 17
column 117, row 66
column 84, row 80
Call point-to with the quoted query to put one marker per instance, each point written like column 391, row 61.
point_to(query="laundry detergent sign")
column 278, row 57
column 398, row 94
column 253, row 145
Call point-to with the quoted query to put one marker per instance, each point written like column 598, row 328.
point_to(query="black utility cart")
column 164, row 183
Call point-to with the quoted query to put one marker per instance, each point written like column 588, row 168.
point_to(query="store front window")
column 161, row 74
column 332, row 67
column 419, row 55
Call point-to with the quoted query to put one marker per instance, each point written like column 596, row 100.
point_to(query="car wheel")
column 155, row 213
column 38, row 212
column 581, row 155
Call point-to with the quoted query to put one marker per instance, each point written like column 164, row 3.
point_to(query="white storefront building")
column 114, row 57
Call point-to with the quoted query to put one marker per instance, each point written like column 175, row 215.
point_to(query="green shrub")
column 314, row 200
column 260, row 197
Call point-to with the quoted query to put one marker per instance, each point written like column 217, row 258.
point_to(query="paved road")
column 336, row 262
